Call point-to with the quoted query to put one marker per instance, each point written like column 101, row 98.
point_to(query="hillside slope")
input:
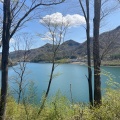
column 109, row 46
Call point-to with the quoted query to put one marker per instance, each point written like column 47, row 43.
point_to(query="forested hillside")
column 109, row 49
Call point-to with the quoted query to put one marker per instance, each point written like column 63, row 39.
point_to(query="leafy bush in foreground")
column 60, row 108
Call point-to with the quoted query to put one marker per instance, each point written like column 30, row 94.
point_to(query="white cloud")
column 68, row 20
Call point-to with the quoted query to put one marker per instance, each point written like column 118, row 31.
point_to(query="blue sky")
column 76, row 33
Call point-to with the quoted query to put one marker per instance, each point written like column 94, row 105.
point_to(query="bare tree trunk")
column 49, row 84
column 57, row 35
column 5, row 54
column 20, row 89
column 89, row 55
column 87, row 18
column 9, row 18
column 96, row 53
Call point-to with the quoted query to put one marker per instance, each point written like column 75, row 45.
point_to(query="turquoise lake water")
column 66, row 74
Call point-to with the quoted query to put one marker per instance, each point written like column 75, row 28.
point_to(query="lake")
column 65, row 74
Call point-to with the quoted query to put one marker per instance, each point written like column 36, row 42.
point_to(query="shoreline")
column 81, row 63
column 78, row 63
column 105, row 65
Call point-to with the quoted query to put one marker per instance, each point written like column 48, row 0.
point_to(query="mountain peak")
column 71, row 43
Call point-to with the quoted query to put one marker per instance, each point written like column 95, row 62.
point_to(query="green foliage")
column 31, row 97
column 62, row 61
column 59, row 107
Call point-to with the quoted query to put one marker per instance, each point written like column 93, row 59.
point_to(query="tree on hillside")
column 96, row 52
column 15, row 15
column 87, row 18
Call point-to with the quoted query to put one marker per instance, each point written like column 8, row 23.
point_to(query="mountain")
column 45, row 52
column 109, row 43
